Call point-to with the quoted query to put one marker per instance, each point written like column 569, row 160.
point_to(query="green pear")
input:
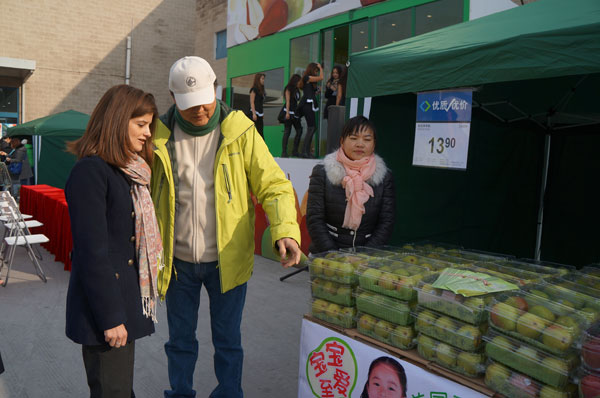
column 445, row 325
column 344, row 270
column 528, row 353
column 402, row 336
column 557, row 337
column 373, row 274
column 383, row 329
column 388, row 281
column 530, row 325
column 366, row 322
column 426, row 346
column 347, row 314
column 471, row 334
column 556, row 365
column 446, row 354
column 410, row 259
column 319, row 306
column 551, row 392
column 344, row 291
column 333, row 310
column 590, row 314
column 496, row 375
column 469, row 362
column 570, row 323
column 504, row 316
column 426, row 319
column 542, row 312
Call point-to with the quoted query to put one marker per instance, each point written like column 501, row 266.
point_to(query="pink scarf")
column 148, row 243
column 357, row 190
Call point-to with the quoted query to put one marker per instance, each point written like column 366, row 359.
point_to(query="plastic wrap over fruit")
column 333, row 313
column 471, row 364
column 399, row 336
column 385, row 307
column 452, row 331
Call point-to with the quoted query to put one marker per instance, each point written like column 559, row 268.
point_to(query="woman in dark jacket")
column 17, row 157
column 112, row 295
column 257, row 99
column 292, row 95
column 309, row 105
column 351, row 199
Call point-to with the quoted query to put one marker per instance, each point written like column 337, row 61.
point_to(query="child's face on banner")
column 384, row 382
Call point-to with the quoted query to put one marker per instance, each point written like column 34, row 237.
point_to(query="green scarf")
column 190, row 129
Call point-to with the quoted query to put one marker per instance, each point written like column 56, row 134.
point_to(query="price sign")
column 442, row 129
column 441, row 145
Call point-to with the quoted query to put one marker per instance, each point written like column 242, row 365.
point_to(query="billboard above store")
column 252, row 19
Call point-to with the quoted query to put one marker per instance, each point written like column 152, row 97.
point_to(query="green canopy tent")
column 535, row 72
column 50, row 135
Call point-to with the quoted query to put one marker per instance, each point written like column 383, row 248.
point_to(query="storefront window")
column 303, row 50
column 273, row 98
column 392, row 27
column 437, row 15
column 360, row 36
column 9, row 99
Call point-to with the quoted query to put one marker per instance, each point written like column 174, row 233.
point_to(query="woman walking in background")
column 112, row 295
column 308, row 104
column 292, row 96
column 351, row 200
column 257, row 99
column 18, row 166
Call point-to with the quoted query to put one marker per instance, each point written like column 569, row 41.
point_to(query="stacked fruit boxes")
column 452, row 343
column 450, row 327
column 535, row 337
column 386, row 298
column 333, row 281
column 589, row 374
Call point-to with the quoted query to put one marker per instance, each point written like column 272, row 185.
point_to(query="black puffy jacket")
column 327, row 204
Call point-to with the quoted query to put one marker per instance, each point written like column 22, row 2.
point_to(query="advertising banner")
column 335, row 366
column 252, row 19
column 442, row 129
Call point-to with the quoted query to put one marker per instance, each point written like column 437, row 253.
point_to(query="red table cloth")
column 47, row 204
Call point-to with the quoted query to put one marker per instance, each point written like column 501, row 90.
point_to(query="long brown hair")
column 257, row 85
column 107, row 132
column 311, row 70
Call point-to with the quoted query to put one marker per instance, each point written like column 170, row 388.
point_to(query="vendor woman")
column 351, row 199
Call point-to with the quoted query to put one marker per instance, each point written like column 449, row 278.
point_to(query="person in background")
column 386, row 379
column 257, row 99
column 117, row 250
column 20, row 171
column 208, row 160
column 331, row 89
column 308, row 104
column 292, row 96
column 351, row 199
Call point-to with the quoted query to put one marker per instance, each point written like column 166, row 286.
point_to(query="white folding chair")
column 6, row 199
column 18, row 236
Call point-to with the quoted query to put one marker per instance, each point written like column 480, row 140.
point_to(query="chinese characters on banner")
column 331, row 369
column 334, row 366
column 442, row 129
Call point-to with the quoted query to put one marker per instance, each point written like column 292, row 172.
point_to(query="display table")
column 424, row 378
column 47, row 204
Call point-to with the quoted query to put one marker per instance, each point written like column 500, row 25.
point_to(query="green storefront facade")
column 330, row 41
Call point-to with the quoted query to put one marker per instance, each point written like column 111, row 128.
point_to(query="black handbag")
column 281, row 116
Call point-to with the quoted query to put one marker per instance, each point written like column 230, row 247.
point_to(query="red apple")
column 591, row 354
column 590, row 386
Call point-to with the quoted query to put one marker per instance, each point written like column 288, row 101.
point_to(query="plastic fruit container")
column 384, row 307
column 514, row 275
column 468, row 309
column 532, row 317
column 531, row 361
column 589, row 384
column 510, row 383
column 460, row 334
column 583, row 298
column 333, row 313
column 476, row 256
column 369, row 251
column 583, row 278
column 592, row 269
column 399, row 336
column 336, row 266
column 533, row 269
column 392, row 278
column 471, row 364
column 426, row 246
column 562, row 268
column 590, row 350
column 332, row 291
column 432, row 261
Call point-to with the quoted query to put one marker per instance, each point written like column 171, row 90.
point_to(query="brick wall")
column 80, row 47
column 211, row 17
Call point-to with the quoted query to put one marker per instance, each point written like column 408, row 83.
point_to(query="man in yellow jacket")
column 208, row 159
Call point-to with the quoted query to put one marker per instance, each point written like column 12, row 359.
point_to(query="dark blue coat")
column 104, row 288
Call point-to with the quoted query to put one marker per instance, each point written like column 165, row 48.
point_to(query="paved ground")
column 41, row 362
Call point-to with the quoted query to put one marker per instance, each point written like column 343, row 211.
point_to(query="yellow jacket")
column 243, row 164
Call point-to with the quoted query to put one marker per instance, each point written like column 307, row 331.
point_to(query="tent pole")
column 540, row 221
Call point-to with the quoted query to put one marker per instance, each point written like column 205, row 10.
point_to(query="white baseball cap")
column 191, row 79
